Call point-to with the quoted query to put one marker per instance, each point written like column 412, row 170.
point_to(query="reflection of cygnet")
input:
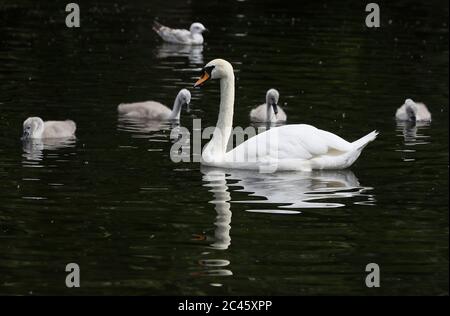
column 143, row 126
column 35, row 127
column 33, row 147
column 156, row 111
column 193, row 52
column 269, row 111
column 412, row 111
column 412, row 131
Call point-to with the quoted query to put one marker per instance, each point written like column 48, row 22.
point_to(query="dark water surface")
column 137, row 223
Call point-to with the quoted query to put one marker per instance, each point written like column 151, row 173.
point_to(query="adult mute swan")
column 289, row 147
column 180, row 36
column 269, row 111
column 35, row 127
column 413, row 112
column 154, row 110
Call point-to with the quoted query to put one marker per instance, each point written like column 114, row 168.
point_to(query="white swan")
column 414, row 112
column 154, row 110
column 269, row 111
column 288, row 147
column 181, row 36
column 35, row 127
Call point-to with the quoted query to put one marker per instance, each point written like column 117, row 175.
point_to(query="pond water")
column 135, row 222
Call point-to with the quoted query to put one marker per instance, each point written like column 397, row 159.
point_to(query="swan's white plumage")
column 288, row 147
column 59, row 129
column 265, row 113
column 35, row 127
column 295, row 147
column 153, row 110
column 193, row 36
column 413, row 111
column 259, row 114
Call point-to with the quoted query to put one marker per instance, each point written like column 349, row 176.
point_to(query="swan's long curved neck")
column 224, row 124
column 197, row 37
column 176, row 109
column 39, row 130
column 269, row 109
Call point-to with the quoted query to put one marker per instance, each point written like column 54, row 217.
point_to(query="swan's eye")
column 209, row 69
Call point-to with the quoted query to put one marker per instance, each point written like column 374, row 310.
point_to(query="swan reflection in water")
column 194, row 53
column 412, row 132
column 413, row 135
column 292, row 191
column 217, row 184
column 264, row 126
column 144, row 128
column 289, row 191
column 33, row 149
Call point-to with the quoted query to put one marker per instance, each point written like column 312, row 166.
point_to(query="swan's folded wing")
column 259, row 114
column 289, row 142
column 174, row 35
column 57, row 129
column 335, row 142
column 149, row 110
column 401, row 113
column 422, row 112
column 125, row 108
column 301, row 142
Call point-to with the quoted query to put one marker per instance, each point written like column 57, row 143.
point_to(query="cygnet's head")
column 272, row 97
column 197, row 28
column 215, row 69
column 184, row 99
column 33, row 127
column 411, row 109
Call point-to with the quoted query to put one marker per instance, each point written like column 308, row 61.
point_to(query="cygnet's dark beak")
column 275, row 108
column 25, row 135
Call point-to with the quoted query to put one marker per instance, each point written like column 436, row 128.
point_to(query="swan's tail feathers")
column 72, row 125
column 363, row 141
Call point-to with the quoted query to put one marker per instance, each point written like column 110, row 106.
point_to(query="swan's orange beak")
column 205, row 77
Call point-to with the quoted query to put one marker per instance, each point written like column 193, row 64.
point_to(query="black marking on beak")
column 275, row 108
